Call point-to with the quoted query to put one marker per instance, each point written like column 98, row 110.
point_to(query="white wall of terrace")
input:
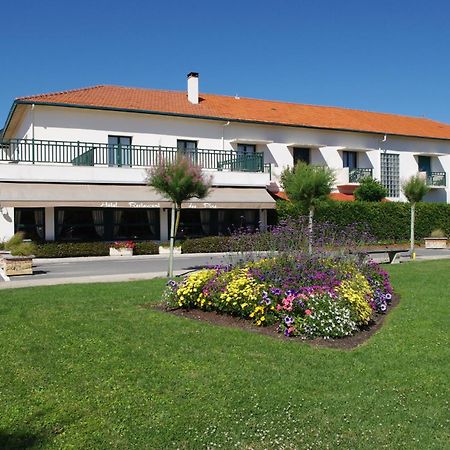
column 58, row 173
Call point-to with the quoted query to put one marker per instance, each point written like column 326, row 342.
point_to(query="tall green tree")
column 179, row 181
column 415, row 189
column 307, row 185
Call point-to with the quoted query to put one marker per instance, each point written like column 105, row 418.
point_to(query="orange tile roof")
column 338, row 196
column 244, row 109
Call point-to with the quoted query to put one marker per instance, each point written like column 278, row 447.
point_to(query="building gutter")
column 196, row 116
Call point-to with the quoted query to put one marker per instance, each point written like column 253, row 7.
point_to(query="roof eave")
column 216, row 118
column 8, row 119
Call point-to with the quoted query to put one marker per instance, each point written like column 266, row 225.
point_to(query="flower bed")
column 306, row 296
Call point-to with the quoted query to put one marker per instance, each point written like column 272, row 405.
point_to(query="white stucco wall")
column 6, row 223
column 73, row 124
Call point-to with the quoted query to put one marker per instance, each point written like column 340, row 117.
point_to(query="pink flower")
column 308, row 312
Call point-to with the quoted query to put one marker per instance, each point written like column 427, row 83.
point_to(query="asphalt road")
column 138, row 267
column 101, row 267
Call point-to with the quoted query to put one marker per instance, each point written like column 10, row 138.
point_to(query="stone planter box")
column 166, row 250
column 436, row 242
column 120, row 251
column 17, row 265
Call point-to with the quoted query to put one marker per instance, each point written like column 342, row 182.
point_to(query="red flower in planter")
column 124, row 244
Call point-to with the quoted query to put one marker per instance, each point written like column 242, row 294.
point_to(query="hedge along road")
column 108, row 269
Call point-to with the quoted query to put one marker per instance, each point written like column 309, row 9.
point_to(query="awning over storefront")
column 116, row 196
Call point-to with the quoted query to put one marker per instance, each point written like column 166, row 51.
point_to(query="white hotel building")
column 73, row 164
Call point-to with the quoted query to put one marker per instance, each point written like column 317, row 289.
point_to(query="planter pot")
column 17, row 265
column 166, row 250
column 435, row 242
column 120, row 251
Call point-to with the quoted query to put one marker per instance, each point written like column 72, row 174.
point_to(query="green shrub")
column 23, row 249
column 388, row 221
column 370, row 190
column 2, row 246
column 76, row 249
column 69, row 249
column 211, row 244
column 18, row 247
column 438, row 233
column 146, row 248
column 15, row 240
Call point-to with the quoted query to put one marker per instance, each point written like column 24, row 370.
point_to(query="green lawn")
column 84, row 366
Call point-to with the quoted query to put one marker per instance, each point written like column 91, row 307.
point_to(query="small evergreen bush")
column 370, row 190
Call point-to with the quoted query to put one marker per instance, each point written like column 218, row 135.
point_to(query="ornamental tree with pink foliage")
column 179, row 181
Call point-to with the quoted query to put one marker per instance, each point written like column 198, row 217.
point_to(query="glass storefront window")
column 212, row 222
column 30, row 221
column 108, row 224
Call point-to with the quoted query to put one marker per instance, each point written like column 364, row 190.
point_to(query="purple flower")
column 288, row 321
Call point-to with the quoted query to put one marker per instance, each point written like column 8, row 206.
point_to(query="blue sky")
column 391, row 56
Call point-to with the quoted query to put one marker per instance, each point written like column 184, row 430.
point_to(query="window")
column 232, row 219
column 424, row 163
column 106, row 224
column 133, row 223
column 207, row 222
column 79, row 224
column 186, row 146
column 390, row 173
column 246, row 149
column 31, row 222
column 119, row 151
column 301, row 154
column 350, row 160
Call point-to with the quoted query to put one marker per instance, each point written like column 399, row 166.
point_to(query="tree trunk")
column 175, row 222
column 172, row 239
column 413, row 212
column 310, row 229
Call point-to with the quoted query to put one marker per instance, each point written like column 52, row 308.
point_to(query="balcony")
column 356, row 175
column 435, row 179
column 32, row 151
column 347, row 180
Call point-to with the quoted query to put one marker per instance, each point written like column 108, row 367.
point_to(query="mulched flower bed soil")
column 346, row 343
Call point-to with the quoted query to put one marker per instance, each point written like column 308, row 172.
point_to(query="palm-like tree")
column 415, row 189
column 308, row 185
column 178, row 181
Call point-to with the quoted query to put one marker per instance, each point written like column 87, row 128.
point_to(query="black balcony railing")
column 356, row 175
column 436, row 179
column 93, row 154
